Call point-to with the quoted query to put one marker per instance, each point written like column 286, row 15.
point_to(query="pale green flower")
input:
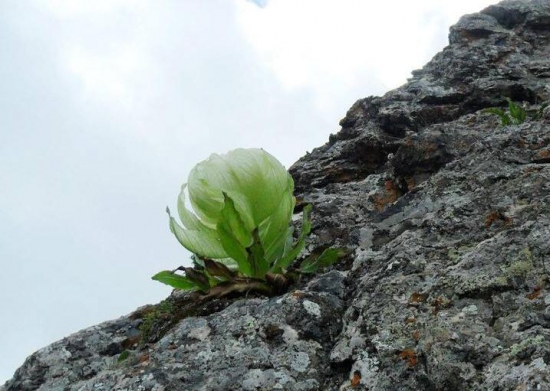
column 239, row 228
column 242, row 207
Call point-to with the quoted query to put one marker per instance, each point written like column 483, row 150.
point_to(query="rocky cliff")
column 446, row 214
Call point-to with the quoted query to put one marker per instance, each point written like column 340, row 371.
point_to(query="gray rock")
column 446, row 214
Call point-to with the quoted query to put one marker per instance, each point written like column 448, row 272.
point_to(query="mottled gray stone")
column 446, row 215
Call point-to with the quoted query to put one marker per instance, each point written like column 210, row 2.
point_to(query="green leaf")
column 175, row 280
column 504, row 118
column 327, row 258
column 244, row 209
column 123, row 356
column 231, row 218
column 205, row 242
column 256, row 257
column 234, row 249
column 289, row 239
column 188, row 219
column 229, row 229
column 517, row 112
column 273, row 230
column 285, row 261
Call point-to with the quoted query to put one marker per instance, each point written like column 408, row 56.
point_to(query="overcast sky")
column 106, row 105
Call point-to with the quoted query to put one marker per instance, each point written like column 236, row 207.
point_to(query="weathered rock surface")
column 447, row 216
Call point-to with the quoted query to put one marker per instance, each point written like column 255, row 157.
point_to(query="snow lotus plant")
column 240, row 230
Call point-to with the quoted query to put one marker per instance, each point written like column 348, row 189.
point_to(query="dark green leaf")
column 517, row 112
column 327, row 258
column 197, row 277
column 123, row 356
column 504, row 118
column 231, row 244
column 175, row 280
column 216, row 269
column 285, row 261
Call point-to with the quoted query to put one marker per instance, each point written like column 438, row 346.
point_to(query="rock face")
column 447, row 217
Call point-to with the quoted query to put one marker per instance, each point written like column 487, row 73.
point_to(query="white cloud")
column 64, row 9
column 259, row 3
column 330, row 47
column 107, row 76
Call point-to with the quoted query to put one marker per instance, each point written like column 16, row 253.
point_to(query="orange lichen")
column 410, row 320
column 143, row 359
column 439, row 303
column 542, row 156
column 410, row 356
column 298, row 294
column 471, row 121
column 417, row 298
column 529, row 170
column 389, row 196
column 339, row 175
column 432, row 147
column 496, row 216
column 131, row 341
column 521, row 143
column 356, row 379
column 416, row 335
column 537, row 291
